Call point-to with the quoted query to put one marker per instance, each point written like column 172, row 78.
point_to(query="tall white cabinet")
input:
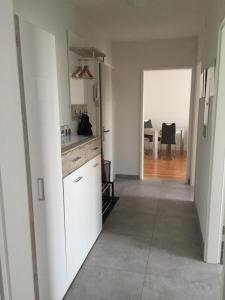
column 42, row 113
column 66, row 212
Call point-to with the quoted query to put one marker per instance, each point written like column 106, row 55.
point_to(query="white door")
column 215, row 205
column 107, row 113
column 42, row 112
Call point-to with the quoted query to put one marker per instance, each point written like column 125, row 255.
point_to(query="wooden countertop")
column 73, row 141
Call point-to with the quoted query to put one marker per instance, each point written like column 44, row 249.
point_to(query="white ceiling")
column 125, row 20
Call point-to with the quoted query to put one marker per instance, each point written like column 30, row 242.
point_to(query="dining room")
column 166, row 118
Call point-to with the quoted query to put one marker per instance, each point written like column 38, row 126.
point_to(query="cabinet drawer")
column 93, row 149
column 73, row 160
column 77, row 157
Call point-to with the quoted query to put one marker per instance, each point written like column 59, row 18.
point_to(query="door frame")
column 111, row 68
column 191, row 119
column 216, row 190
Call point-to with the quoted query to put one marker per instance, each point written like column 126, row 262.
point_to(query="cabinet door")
column 77, row 235
column 95, row 198
column 41, row 112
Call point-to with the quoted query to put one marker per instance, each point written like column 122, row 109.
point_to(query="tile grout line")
column 150, row 247
column 163, row 276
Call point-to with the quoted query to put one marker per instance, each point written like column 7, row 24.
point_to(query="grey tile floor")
column 149, row 249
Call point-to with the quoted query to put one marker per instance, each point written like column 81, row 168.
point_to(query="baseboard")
column 199, row 228
column 125, row 176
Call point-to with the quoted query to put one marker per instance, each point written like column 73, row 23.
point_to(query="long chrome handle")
column 41, row 189
column 78, row 179
column 76, row 159
column 95, row 165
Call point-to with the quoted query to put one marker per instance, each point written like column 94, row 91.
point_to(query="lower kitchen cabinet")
column 83, row 216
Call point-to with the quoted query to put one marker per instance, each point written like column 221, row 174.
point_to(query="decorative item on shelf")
column 77, row 110
column 82, row 73
column 65, row 131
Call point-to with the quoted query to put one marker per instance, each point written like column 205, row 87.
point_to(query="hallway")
column 150, row 249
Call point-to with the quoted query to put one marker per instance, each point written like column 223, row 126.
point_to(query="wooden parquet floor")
column 166, row 167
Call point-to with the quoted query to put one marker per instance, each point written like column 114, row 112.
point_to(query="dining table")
column 155, row 133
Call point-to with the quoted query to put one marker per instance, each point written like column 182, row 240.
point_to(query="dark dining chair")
column 168, row 135
column 148, row 124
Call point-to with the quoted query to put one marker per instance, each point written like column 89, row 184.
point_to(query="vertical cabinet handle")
column 41, row 189
column 78, row 179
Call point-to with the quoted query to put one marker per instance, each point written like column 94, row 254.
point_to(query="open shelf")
column 89, row 52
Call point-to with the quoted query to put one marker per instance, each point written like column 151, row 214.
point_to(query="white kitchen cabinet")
column 83, row 217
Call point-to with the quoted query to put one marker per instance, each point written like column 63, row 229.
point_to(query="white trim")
column 108, row 65
column 191, row 127
column 4, row 260
column 191, row 118
column 142, row 128
column 212, row 248
column 195, row 112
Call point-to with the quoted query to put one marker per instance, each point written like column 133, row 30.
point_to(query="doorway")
column 166, row 100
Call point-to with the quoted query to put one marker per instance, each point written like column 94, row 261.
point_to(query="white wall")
column 129, row 59
column 14, row 218
column 205, row 147
column 166, row 97
column 56, row 17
